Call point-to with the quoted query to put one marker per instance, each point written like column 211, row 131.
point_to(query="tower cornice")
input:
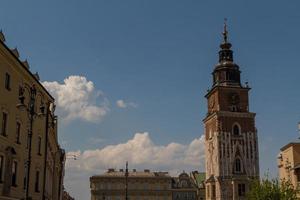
column 225, row 87
column 229, row 114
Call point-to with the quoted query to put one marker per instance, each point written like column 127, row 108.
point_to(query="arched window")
column 236, row 130
column 237, row 165
column 210, row 134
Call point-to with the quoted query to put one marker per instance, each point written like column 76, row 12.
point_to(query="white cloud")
column 122, row 104
column 140, row 152
column 77, row 98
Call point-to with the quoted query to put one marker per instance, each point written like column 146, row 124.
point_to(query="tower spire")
column 225, row 54
column 225, row 32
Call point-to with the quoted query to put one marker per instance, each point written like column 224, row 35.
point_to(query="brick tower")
column 231, row 148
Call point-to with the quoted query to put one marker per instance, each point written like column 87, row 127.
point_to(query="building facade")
column 289, row 164
column 231, row 147
column 142, row 185
column 31, row 160
column 184, row 188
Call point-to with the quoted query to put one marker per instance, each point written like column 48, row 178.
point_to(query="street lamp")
column 126, row 181
column 30, row 109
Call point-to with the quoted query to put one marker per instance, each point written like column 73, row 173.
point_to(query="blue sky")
column 158, row 56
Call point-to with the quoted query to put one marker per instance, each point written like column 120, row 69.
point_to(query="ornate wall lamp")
column 29, row 108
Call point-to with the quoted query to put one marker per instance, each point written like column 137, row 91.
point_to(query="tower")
column 231, row 147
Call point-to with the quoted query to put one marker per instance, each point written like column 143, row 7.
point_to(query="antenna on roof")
column 225, row 32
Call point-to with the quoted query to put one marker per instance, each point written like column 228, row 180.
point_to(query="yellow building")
column 289, row 163
column 142, row 185
column 31, row 160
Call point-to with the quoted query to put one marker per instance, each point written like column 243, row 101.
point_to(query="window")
column 37, row 181
column 210, row 134
column 236, row 130
column 7, row 81
column 237, row 165
column 251, row 151
column 25, row 174
column 297, row 172
column 234, row 109
column 27, row 143
column 39, row 145
column 213, row 191
column 4, row 124
column 208, row 191
column 18, row 132
column 228, row 151
column 14, row 173
column 241, row 190
column 1, row 167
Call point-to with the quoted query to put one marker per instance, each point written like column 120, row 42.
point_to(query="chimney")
column 2, row 36
column 26, row 64
column 111, row 170
column 16, row 52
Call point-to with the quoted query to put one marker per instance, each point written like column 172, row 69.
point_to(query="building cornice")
column 25, row 68
column 226, row 87
column 289, row 145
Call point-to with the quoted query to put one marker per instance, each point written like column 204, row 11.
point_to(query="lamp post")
column 30, row 109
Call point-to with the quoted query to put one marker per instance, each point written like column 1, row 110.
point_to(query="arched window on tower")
column 236, row 130
column 237, row 165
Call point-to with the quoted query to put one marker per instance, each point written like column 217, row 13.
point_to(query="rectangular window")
column 4, row 124
column 1, row 167
column 18, row 132
column 208, row 191
column 7, row 81
column 37, row 181
column 39, row 145
column 241, row 190
column 213, row 191
column 14, row 173
column 28, row 141
column 25, row 174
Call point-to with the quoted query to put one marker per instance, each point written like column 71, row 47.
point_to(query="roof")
column 296, row 142
column 26, row 68
column 297, row 166
column 133, row 174
column 210, row 179
column 200, row 177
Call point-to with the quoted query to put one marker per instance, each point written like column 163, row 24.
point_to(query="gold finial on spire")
column 225, row 32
